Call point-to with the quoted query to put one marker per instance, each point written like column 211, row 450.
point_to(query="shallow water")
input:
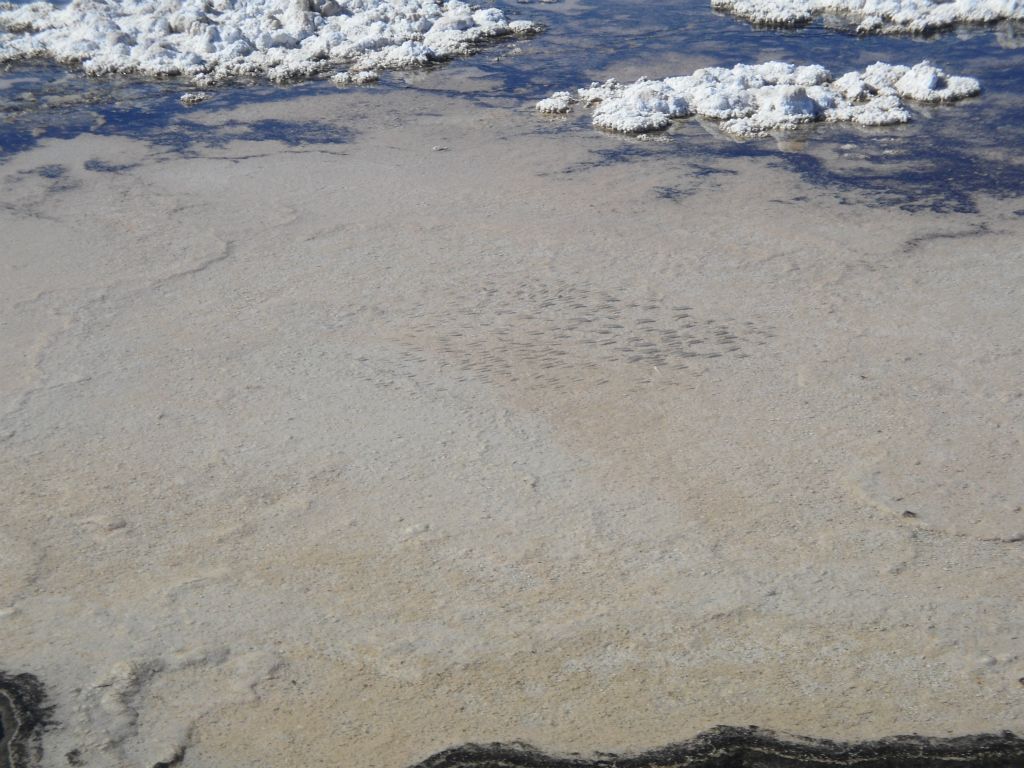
column 940, row 161
column 559, row 435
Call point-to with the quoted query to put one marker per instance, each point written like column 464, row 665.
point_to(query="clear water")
column 941, row 161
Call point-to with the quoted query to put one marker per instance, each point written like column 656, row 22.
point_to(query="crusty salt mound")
column 212, row 40
column 559, row 102
column 876, row 16
column 193, row 97
column 752, row 99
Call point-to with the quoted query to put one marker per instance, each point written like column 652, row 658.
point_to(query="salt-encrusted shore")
column 877, row 16
column 210, row 41
column 752, row 99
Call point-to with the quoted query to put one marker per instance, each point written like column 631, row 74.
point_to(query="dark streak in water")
column 100, row 166
column 728, row 747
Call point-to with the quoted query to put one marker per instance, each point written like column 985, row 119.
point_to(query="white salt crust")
column 876, row 16
column 560, row 101
column 362, row 77
column 214, row 40
column 752, row 99
column 193, row 97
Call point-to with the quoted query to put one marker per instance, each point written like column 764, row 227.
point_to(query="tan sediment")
column 309, row 460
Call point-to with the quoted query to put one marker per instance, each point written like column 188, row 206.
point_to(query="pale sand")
column 317, row 456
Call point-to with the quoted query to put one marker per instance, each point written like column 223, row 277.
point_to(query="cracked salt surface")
column 876, row 16
column 215, row 40
column 752, row 99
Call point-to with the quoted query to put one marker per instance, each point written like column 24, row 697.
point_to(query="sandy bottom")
column 468, row 428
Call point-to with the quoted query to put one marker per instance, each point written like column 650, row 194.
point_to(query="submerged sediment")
column 323, row 446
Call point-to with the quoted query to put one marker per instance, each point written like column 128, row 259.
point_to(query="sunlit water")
column 940, row 161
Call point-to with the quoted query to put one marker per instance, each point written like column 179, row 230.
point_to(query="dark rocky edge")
column 24, row 714
column 729, row 747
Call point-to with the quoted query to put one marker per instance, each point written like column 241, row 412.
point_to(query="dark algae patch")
column 729, row 747
column 24, row 714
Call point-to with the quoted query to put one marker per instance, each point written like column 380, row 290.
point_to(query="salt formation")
column 364, row 77
column 211, row 40
column 879, row 16
column 751, row 99
column 193, row 97
column 561, row 101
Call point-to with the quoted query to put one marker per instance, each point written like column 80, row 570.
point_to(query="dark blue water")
column 940, row 162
